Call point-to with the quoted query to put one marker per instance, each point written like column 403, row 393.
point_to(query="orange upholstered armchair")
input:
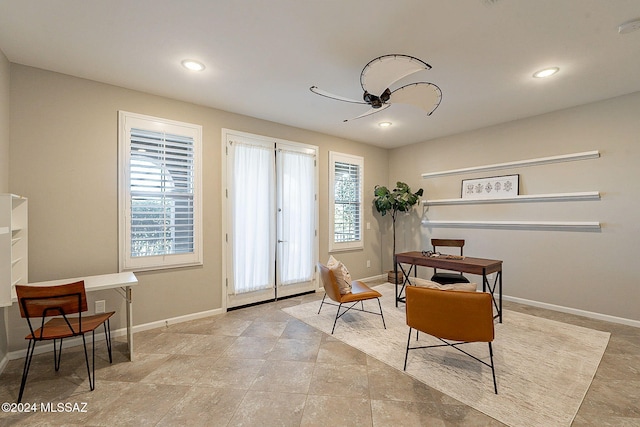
column 454, row 317
column 359, row 293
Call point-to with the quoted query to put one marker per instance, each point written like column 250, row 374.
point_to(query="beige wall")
column 4, row 168
column 64, row 159
column 582, row 270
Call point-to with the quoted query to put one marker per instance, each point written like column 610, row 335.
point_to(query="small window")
column 345, row 201
column 159, row 193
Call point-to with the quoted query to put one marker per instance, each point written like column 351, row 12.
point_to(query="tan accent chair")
column 359, row 293
column 58, row 302
column 460, row 317
column 448, row 278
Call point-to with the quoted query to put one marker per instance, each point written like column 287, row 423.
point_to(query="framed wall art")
column 495, row 187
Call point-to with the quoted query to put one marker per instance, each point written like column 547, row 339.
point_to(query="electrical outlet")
column 368, row 263
column 100, row 307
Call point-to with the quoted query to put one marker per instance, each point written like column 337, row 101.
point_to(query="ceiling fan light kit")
column 380, row 74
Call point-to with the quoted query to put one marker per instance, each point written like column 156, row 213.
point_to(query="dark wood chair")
column 359, row 293
column 445, row 278
column 455, row 318
column 58, row 303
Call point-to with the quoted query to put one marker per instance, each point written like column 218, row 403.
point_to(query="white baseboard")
column 569, row 310
column 3, row 363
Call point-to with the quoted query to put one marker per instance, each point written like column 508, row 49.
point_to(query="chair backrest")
column 455, row 243
column 457, row 316
column 41, row 301
column 329, row 282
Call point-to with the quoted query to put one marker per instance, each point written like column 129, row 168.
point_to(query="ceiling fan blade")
column 368, row 113
column 324, row 93
column 380, row 73
column 422, row 95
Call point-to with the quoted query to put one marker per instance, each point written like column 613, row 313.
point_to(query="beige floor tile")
column 204, row 406
column 387, row 383
column 180, row 369
column 299, row 330
column 284, row 376
column 265, row 329
column 266, row 409
column 336, row 412
column 231, row 372
column 295, row 349
column 142, row 405
column 407, row 414
column 251, row 348
column 337, row 352
column 188, row 344
column 340, row 380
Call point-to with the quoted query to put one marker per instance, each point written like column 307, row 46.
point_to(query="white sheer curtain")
column 253, row 207
column 296, row 216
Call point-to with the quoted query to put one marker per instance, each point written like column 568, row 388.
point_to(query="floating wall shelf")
column 527, row 225
column 520, row 163
column 554, row 197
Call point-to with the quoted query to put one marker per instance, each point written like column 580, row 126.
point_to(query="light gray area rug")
column 543, row 367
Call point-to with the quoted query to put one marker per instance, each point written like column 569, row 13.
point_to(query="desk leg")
column 497, row 285
column 500, row 284
column 129, row 309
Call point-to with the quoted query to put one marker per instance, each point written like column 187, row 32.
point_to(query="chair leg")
column 25, row 369
column 493, row 371
column 107, row 334
column 86, row 359
column 406, row 354
column 382, row 315
column 336, row 319
column 325, row 295
column 57, row 355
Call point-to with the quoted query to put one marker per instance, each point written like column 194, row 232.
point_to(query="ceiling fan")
column 380, row 74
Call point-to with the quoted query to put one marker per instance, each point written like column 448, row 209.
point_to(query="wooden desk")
column 479, row 266
column 118, row 281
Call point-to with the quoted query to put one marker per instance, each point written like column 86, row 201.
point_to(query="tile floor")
column 260, row 367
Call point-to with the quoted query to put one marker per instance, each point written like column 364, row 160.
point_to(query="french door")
column 271, row 242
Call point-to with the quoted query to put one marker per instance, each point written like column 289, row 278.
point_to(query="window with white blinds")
column 345, row 200
column 160, row 193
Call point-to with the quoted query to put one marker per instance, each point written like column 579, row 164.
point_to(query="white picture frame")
column 495, row 187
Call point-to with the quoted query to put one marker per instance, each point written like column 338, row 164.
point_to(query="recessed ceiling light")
column 192, row 65
column 384, row 124
column 546, row 72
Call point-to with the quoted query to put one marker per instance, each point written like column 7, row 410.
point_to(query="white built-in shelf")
column 13, row 245
column 528, row 225
column 553, row 197
column 519, row 163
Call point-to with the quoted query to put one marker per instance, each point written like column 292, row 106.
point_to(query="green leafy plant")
column 401, row 199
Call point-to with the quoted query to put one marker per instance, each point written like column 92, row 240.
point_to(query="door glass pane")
column 296, row 220
column 253, row 229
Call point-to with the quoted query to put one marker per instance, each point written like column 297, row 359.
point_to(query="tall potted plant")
column 401, row 199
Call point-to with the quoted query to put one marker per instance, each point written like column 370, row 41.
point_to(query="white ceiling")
column 263, row 55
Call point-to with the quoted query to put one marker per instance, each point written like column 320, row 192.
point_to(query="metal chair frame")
column 351, row 307
column 455, row 345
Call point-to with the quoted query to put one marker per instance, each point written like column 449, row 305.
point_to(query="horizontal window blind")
column 347, row 201
column 162, row 176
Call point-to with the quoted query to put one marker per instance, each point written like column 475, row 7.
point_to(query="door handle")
column 282, row 241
